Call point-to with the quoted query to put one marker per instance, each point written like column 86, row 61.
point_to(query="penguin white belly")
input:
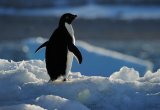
column 69, row 54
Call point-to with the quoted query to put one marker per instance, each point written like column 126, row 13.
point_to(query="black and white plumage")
column 60, row 49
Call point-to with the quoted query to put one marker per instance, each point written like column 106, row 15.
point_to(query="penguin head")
column 67, row 18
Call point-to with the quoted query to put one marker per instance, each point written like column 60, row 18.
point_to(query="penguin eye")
column 67, row 17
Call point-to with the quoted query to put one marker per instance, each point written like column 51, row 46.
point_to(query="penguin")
column 60, row 49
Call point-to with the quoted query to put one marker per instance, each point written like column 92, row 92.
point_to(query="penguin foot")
column 65, row 79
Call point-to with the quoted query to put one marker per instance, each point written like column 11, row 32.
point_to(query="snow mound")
column 125, row 74
column 24, row 86
column 51, row 102
column 22, row 107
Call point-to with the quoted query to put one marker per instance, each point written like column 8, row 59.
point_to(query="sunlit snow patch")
column 24, row 86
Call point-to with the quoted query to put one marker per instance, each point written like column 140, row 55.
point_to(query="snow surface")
column 92, row 11
column 96, row 60
column 24, row 86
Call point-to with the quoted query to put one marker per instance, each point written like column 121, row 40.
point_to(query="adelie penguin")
column 60, row 49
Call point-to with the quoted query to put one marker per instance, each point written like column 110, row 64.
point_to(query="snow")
column 125, row 74
column 22, row 107
column 101, row 61
column 24, row 86
column 52, row 102
column 92, row 11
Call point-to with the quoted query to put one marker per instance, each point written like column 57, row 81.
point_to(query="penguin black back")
column 57, row 48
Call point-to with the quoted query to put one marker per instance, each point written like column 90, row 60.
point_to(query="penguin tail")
column 43, row 45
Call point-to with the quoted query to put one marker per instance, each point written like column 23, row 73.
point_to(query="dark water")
column 64, row 3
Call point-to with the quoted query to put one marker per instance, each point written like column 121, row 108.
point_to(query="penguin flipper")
column 43, row 45
column 75, row 51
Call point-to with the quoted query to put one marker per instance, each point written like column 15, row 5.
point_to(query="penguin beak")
column 75, row 16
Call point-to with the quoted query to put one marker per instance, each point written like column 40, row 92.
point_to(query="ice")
column 104, row 62
column 24, row 86
column 125, row 74
column 152, row 77
column 22, row 107
column 52, row 102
